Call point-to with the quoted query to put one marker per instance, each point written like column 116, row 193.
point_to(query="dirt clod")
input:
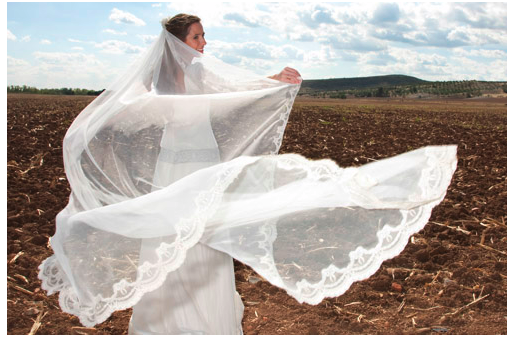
column 396, row 287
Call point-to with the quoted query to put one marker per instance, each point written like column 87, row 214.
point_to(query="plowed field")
column 450, row 279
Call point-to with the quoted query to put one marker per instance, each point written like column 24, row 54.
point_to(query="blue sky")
column 88, row 45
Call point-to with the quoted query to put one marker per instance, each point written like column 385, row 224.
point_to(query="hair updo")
column 179, row 25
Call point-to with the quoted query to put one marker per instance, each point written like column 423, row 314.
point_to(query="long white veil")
column 309, row 227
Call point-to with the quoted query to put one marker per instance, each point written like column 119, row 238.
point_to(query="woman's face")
column 196, row 37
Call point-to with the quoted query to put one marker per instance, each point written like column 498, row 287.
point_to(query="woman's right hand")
column 288, row 75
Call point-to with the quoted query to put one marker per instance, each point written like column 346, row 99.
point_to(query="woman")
column 180, row 305
column 174, row 172
column 200, row 297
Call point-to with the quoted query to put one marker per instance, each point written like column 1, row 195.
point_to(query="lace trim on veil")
column 291, row 94
column 150, row 276
column 334, row 281
column 391, row 240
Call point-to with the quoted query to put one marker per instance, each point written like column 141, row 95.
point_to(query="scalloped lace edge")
column 127, row 294
column 442, row 163
column 438, row 175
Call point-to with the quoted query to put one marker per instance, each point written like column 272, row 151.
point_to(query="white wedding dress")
column 174, row 171
column 199, row 297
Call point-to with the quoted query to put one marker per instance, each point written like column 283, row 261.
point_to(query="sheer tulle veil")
column 307, row 226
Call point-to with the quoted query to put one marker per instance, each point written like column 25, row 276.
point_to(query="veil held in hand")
column 309, row 227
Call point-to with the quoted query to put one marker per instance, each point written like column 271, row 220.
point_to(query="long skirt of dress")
column 200, row 297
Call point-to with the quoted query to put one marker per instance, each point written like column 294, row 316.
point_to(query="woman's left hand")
column 288, row 75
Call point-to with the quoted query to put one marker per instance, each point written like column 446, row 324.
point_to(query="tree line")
column 466, row 89
column 57, row 91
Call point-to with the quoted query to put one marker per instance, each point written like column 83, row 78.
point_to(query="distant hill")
column 372, row 86
column 335, row 84
column 398, row 86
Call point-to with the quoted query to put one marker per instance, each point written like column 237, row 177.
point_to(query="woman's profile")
column 174, row 173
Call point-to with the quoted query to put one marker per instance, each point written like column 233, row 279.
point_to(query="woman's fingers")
column 290, row 75
column 292, row 71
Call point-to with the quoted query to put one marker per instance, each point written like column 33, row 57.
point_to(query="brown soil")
column 450, row 279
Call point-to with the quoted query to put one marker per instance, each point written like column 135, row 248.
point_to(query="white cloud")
column 386, row 12
column 118, row 47
column 78, row 48
column 324, row 56
column 156, row 5
column 317, row 15
column 479, row 15
column 65, row 69
column 75, row 40
column 114, row 32
column 481, row 37
column 119, row 16
column 408, row 62
column 215, row 14
column 468, row 69
column 26, row 38
column 240, row 19
column 16, row 63
column 252, row 50
column 45, row 41
column 259, row 66
column 19, row 71
column 255, row 56
column 10, row 35
column 64, row 59
column 301, row 37
column 288, row 51
column 148, row 38
column 484, row 53
column 379, row 58
column 354, row 43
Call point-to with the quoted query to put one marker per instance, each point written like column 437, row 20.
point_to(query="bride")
column 199, row 297
column 174, row 172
